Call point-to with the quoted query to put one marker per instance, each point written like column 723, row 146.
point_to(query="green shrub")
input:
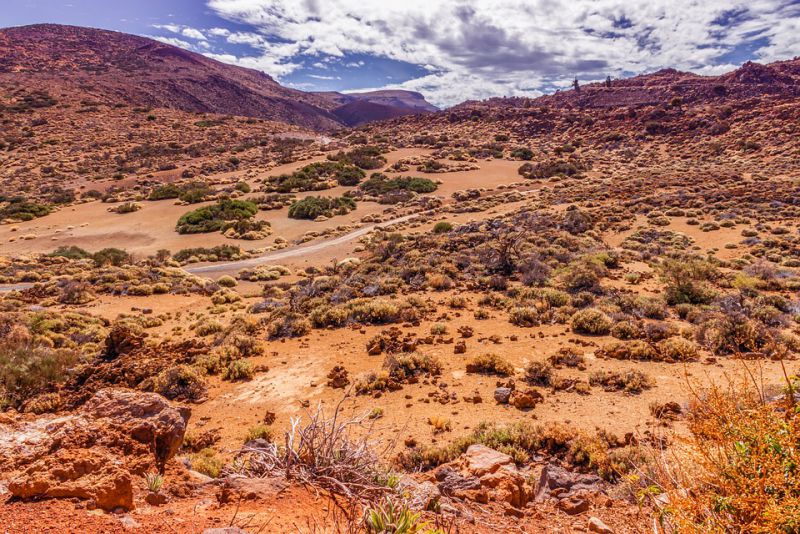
column 379, row 184
column 207, row 463
column 23, row 210
column 633, row 381
column 28, row 369
column 238, row 370
column 213, row 218
column 127, row 207
column 227, row 281
column 72, row 252
column 678, row 349
column 290, row 325
column 442, row 227
column 687, row 281
column 259, row 432
column 207, row 327
column 490, row 364
column 218, row 253
column 180, row 382
column 592, row 322
column 627, row 330
column 164, row 192
column 313, row 207
column 527, row 316
column 366, row 157
column 397, row 518
column 525, row 154
column 539, row 373
column 111, row 256
column 316, row 176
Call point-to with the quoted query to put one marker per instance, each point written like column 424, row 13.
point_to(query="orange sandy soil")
column 297, row 509
column 298, row 369
column 289, row 511
column 93, row 227
column 296, row 379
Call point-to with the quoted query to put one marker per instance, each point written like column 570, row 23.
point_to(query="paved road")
column 301, row 250
column 268, row 257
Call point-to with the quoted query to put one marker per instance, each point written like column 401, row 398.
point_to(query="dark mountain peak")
column 358, row 108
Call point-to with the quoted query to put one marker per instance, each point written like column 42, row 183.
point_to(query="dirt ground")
column 143, row 232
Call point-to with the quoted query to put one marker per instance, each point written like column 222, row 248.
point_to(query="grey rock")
column 558, row 478
column 501, row 395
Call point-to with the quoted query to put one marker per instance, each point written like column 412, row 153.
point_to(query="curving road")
column 295, row 251
column 268, row 257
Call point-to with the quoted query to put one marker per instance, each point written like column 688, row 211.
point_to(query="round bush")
column 592, row 322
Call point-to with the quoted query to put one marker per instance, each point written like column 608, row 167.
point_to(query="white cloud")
column 193, row 33
column 219, row 32
column 274, row 67
column 507, row 47
column 185, row 31
column 174, row 41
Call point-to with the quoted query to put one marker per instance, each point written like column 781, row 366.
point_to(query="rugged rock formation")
column 94, row 453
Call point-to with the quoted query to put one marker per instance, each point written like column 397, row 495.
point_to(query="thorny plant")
column 334, row 453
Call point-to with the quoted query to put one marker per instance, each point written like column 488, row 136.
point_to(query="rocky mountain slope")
column 779, row 79
column 354, row 109
column 117, row 68
column 752, row 104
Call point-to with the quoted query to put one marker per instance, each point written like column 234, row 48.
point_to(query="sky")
column 449, row 50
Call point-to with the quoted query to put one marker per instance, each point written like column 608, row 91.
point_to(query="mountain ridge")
column 137, row 70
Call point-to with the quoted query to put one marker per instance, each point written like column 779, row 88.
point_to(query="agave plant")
column 154, row 481
column 391, row 518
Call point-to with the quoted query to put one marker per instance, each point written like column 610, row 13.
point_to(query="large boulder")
column 94, row 453
column 147, row 418
column 481, row 460
column 81, row 473
column 555, row 481
column 483, row 474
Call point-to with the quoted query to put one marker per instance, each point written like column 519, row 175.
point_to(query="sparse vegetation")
column 490, row 364
column 314, row 207
column 214, row 218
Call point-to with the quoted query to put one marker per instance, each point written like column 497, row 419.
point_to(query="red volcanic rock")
column 82, row 473
column 94, row 453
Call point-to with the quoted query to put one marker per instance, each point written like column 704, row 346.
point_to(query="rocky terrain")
column 575, row 313
column 108, row 67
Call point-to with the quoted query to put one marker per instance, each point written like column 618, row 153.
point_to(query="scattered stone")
column 337, row 378
column 502, row 394
column 555, row 480
column 573, row 505
column 596, row 525
column 155, row 498
column 525, row 400
column 420, row 496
